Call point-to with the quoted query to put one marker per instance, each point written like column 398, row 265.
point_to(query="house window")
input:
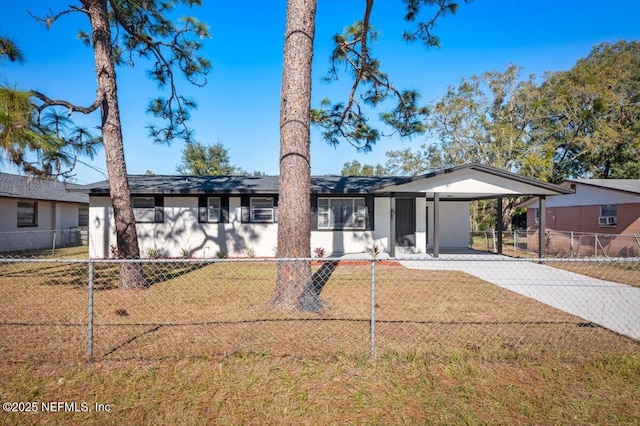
column 83, row 216
column 262, row 210
column 342, row 213
column 213, row 209
column 27, row 213
column 144, row 209
column 608, row 215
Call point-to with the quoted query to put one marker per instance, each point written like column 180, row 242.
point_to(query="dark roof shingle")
column 15, row 186
column 164, row 184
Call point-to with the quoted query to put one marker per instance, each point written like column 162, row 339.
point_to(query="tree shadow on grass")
column 309, row 300
column 105, row 275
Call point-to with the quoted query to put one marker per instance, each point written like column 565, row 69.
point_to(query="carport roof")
column 475, row 181
column 472, row 181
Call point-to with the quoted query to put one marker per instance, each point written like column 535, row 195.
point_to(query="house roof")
column 25, row 187
column 172, row 184
column 625, row 185
column 464, row 182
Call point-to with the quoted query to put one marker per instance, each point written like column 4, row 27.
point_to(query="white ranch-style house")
column 205, row 216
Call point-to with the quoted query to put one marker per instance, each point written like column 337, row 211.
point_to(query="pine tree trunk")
column 294, row 287
column 126, row 236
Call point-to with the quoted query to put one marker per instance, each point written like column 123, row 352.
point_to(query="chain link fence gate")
column 71, row 311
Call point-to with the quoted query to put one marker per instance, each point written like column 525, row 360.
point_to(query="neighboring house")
column 595, row 206
column 231, row 215
column 31, row 209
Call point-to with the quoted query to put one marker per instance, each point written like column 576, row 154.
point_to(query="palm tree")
column 9, row 50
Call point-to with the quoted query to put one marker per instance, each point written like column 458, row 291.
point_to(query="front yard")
column 201, row 346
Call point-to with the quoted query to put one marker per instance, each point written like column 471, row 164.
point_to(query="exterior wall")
column 586, row 195
column 181, row 231
column 572, row 231
column 454, row 224
column 67, row 215
column 579, row 211
column 339, row 242
column 51, row 216
column 8, row 215
column 101, row 227
column 585, row 219
column 572, row 222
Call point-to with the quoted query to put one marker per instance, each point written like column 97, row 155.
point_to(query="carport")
column 469, row 183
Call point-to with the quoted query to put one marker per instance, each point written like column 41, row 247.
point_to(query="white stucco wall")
column 67, row 215
column 348, row 241
column 454, row 224
column 52, row 216
column 9, row 215
column 181, row 230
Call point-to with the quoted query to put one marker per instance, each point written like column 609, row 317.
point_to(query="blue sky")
column 239, row 106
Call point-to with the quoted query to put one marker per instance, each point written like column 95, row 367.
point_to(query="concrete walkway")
column 611, row 305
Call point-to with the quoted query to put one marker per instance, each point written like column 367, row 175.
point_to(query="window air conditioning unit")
column 607, row 220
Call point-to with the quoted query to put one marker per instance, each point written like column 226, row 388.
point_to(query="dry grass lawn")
column 201, row 346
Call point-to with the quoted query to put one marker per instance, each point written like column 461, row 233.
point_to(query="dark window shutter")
column 276, row 211
column 314, row 212
column 202, row 209
column 245, row 214
column 370, row 201
column 224, row 209
column 159, row 209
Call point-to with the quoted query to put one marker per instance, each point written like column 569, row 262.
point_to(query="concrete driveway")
column 611, row 305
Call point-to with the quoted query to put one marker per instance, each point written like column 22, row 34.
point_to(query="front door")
column 405, row 222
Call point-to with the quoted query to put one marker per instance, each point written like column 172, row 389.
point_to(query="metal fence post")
column 90, row 316
column 372, row 321
column 493, row 236
column 53, row 249
column 571, row 245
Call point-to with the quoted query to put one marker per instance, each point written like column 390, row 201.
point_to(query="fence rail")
column 559, row 243
column 71, row 311
column 34, row 240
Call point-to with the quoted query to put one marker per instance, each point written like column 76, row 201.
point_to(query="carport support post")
column 436, row 224
column 542, row 224
column 90, row 315
column 499, row 223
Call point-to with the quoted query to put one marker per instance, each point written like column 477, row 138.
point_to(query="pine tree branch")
column 48, row 102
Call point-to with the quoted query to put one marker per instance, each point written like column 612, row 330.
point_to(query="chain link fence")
column 559, row 243
column 71, row 311
column 40, row 240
